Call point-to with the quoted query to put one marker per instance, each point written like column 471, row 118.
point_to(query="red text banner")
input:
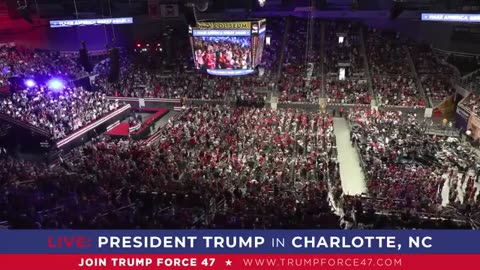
column 239, row 261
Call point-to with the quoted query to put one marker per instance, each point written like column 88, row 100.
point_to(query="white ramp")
column 353, row 180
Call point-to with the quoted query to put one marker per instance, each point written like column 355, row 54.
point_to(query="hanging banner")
column 446, row 106
column 89, row 22
column 224, row 25
column 451, row 17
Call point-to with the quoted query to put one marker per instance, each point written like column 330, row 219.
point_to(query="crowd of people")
column 472, row 102
column 392, row 76
column 408, row 169
column 386, row 53
column 342, row 49
column 435, row 76
column 398, row 91
column 60, row 113
column 342, row 45
column 244, row 166
column 215, row 166
column 348, row 92
column 138, row 81
column 294, row 84
column 436, row 87
column 17, row 61
column 301, row 79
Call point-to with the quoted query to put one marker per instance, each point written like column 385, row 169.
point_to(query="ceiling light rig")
column 262, row 3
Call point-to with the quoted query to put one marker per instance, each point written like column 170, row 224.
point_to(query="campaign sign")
column 231, row 249
column 451, row 17
column 87, row 22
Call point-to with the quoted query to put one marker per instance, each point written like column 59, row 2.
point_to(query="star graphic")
column 228, row 262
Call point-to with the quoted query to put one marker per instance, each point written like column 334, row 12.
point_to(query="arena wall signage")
column 451, row 17
column 221, row 33
column 224, row 25
column 87, row 22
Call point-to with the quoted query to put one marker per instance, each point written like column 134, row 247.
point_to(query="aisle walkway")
column 353, row 180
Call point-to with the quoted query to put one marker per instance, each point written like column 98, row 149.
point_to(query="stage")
column 124, row 129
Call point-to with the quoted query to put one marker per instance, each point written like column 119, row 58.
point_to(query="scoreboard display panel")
column 228, row 48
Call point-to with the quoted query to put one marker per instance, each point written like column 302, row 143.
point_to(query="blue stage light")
column 55, row 84
column 30, row 83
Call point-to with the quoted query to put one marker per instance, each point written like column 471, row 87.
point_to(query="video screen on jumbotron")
column 223, row 52
column 228, row 48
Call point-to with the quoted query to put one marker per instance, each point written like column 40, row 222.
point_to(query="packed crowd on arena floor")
column 249, row 167
column 214, row 166
column 407, row 169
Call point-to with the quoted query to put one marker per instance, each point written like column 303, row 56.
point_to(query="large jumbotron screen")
column 228, row 48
